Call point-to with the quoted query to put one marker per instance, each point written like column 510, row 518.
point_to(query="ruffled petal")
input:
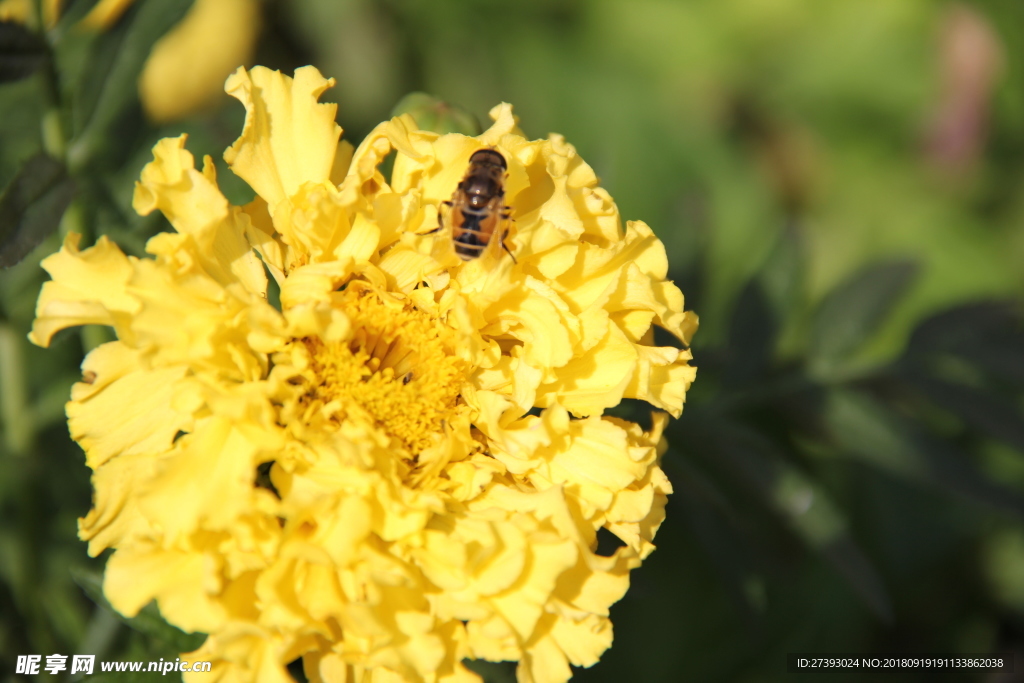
column 88, row 288
column 122, row 408
column 289, row 139
column 194, row 205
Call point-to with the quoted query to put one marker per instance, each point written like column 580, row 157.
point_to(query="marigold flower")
column 406, row 465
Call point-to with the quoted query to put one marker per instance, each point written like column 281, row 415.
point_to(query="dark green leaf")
column 957, row 329
column 856, row 308
column 716, row 526
column 492, row 672
column 805, row 506
column 865, row 429
column 22, row 52
column 988, row 334
column 861, row 427
column 752, row 333
column 984, row 411
column 31, row 207
column 782, row 276
column 148, row 621
column 109, row 86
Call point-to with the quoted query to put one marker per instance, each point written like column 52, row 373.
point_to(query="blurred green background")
column 838, row 185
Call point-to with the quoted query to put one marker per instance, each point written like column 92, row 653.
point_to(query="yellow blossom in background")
column 15, row 10
column 406, row 464
column 105, row 14
column 185, row 71
column 23, row 11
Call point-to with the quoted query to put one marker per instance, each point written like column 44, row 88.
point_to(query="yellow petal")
column 210, row 330
column 194, row 205
column 115, row 517
column 505, row 123
column 544, row 662
column 583, row 641
column 314, row 283
column 661, row 377
column 289, row 139
column 124, row 408
column 181, row 581
column 216, row 465
column 523, row 604
column 594, row 380
column 88, row 288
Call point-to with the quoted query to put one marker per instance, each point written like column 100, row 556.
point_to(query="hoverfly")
column 477, row 208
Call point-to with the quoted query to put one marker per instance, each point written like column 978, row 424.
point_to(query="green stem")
column 74, row 221
column 17, row 419
column 55, row 140
column 36, row 21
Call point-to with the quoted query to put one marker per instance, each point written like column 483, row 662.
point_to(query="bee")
column 477, row 209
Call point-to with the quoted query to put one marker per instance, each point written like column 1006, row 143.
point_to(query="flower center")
column 398, row 370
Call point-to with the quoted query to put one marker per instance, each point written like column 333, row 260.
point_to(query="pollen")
column 398, row 370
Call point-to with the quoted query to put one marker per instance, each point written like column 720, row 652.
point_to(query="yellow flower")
column 406, row 464
column 185, row 72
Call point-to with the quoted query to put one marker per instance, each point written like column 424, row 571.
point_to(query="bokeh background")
column 839, row 188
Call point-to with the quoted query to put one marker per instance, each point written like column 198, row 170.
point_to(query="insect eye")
column 489, row 156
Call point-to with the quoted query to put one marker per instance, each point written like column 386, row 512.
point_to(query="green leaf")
column 109, row 86
column 867, row 430
column 63, row 607
column 782, row 276
column 987, row 334
column 752, row 336
column 22, row 52
column 855, row 309
column 1002, row 557
column 987, row 412
column 147, row 622
column 863, row 428
column 31, row 207
column 716, row 525
column 805, row 506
